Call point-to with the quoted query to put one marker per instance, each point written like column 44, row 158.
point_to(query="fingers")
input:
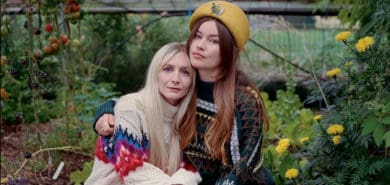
column 99, row 124
column 111, row 120
column 105, row 125
column 106, row 130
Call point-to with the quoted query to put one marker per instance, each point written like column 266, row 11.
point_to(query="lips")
column 198, row 55
column 174, row 89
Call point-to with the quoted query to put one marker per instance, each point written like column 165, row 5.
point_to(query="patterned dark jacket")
column 245, row 159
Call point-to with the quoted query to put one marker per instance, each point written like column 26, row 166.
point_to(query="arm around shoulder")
column 106, row 108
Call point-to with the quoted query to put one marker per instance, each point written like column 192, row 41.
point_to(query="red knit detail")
column 99, row 152
column 189, row 167
column 126, row 162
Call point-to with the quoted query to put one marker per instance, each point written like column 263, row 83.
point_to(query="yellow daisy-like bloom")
column 291, row 173
column 347, row 64
column 364, row 43
column 304, row 139
column 317, row 117
column 283, row 145
column 335, row 129
column 342, row 36
column 336, row 140
column 334, row 72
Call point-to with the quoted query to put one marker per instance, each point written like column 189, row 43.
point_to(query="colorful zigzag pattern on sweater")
column 123, row 151
column 126, row 152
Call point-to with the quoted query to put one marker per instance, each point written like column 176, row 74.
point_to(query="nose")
column 200, row 44
column 175, row 78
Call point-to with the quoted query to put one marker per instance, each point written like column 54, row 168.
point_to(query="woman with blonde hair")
column 145, row 148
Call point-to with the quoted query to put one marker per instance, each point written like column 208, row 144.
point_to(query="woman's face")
column 174, row 78
column 204, row 51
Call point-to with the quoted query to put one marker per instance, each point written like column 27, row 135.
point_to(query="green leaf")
column 378, row 134
column 78, row 177
column 387, row 107
column 386, row 120
column 386, row 137
column 369, row 125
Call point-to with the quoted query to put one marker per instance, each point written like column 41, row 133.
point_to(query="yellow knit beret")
column 232, row 16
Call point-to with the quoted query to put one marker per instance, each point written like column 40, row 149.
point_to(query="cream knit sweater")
column 123, row 158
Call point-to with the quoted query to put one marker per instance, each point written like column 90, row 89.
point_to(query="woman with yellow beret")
column 223, row 138
column 230, row 113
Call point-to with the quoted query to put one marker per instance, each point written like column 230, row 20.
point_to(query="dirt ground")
column 12, row 153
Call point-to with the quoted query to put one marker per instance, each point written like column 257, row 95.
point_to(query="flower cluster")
column 304, row 139
column 283, row 145
column 336, row 139
column 361, row 46
column 336, row 130
column 317, row 117
column 342, row 36
column 334, row 72
column 364, row 43
column 291, row 173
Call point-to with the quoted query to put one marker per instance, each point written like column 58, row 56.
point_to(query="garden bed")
column 12, row 152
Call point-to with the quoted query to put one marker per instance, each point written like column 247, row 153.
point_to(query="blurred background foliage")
column 60, row 63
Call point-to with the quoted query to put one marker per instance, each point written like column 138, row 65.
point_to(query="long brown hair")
column 218, row 134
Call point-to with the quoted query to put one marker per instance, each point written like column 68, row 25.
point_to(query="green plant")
column 79, row 177
column 126, row 48
column 46, row 78
column 290, row 132
column 353, row 138
column 371, row 15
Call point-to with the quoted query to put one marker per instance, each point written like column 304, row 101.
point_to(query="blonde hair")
column 165, row 157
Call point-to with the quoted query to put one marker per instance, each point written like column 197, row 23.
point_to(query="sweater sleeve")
column 103, row 173
column 106, row 108
column 247, row 161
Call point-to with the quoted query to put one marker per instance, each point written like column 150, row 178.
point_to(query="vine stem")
column 65, row 148
column 33, row 78
column 320, row 88
column 316, row 79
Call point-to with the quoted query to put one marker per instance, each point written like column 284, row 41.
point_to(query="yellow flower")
column 335, row 129
column 304, row 139
column 336, row 140
column 342, row 36
column 291, row 173
column 334, row 72
column 364, row 43
column 283, row 145
column 317, row 117
column 347, row 64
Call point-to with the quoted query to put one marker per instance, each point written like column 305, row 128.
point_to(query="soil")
column 13, row 155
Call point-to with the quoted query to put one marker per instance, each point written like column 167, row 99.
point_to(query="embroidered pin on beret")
column 231, row 15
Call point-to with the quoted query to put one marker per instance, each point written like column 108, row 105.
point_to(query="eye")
column 186, row 72
column 198, row 36
column 214, row 41
column 167, row 68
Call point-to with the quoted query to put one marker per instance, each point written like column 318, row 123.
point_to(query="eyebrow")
column 212, row 35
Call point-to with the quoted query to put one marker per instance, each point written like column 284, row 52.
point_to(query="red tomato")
column 64, row 39
column 49, row 27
